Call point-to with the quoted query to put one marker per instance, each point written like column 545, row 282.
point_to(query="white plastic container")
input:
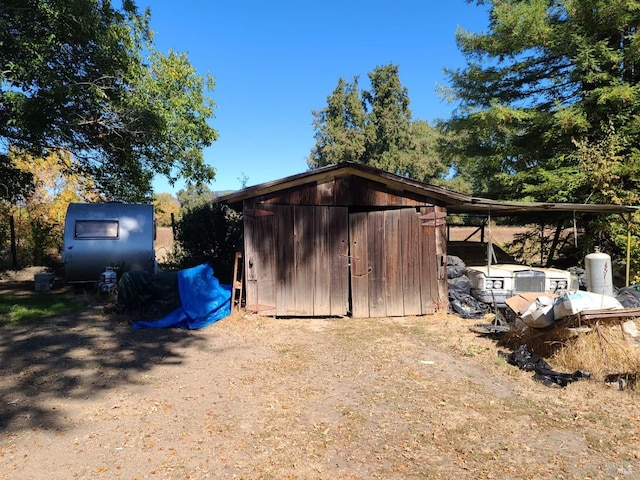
column 597, row 267
column 108, row 279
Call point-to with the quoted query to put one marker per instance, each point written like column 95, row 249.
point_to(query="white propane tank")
column 597, row 267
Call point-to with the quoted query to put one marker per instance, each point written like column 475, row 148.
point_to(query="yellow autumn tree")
column 165, row 205
column 40, row 219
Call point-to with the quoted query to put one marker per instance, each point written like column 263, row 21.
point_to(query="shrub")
column 210, row 233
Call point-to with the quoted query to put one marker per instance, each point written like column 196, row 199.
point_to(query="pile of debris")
column 461, row 301
column 593, row 335
column 581, row 330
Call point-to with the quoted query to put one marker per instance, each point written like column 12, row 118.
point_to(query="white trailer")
column 101, row 235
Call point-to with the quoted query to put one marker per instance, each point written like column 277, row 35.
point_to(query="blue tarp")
column 204, row 301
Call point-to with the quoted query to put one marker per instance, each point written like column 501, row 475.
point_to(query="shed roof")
column 345, row 169
column 485, row 206
column 454, row 202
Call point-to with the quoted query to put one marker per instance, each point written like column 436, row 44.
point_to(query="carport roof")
column 485, row 206
column 453, row 201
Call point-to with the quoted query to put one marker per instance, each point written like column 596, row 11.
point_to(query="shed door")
column 297, row 260
column 394, row 263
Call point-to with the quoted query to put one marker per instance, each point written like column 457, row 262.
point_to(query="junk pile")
column 460, row 300
column 546, row 310
column 188, row 299
column 595, row 332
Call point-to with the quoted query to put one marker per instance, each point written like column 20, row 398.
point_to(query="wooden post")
column 236, row 288
column 14, row 253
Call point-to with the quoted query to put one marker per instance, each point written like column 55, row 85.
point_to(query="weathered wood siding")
column 346, row 191
column 297, row 260
column 397, row 264
column 259, row 260
column 348, row 245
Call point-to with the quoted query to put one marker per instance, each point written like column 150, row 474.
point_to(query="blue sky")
column 274, row 62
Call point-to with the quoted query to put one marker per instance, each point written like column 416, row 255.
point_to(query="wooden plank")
column 251, row 212
column 428, row 268
column 305, row 259
column 359, row 264
column 409, row 235
column 434, row 219
column 377, row 263
column 357, row 191
column 322, row 258
column 590, row 315
column 257, row 308
column 338, row 240
column 441, row 264
column 394, row 270
column 285, row 261
column 238, row 282
column 261, row 272
column 250, row 275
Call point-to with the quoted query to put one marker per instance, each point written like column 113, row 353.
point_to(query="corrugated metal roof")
column 501, row 208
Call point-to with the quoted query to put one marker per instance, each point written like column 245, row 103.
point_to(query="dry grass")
column 605, row 350
column 601, row 348
column 500, row 235
column 260, row 398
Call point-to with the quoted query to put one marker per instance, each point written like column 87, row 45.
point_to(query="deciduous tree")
column 194, row 196
column 165, row 205
column 83, row 76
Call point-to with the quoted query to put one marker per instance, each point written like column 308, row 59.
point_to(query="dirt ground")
column 252, row 397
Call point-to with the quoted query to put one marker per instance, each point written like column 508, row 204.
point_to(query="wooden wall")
column 348, row 246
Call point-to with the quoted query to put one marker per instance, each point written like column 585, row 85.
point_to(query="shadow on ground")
column 74, row 358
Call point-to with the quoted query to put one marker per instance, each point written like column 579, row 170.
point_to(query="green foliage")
column 546, row 77
column 28, row 309
column 14, row 183
column 340, row 135
column 193, row 196
column 83, row 76
column 374, row 127
column 549, row 104
column 210, row 233
column 165, row 205
column 43, row 240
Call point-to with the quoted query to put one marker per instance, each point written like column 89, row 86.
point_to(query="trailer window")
column 96, row 229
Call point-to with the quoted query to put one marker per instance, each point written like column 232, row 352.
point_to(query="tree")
column 43, row 207
column 549, row 105
column 340, row 135
column 83, row 77
column 389, row 120
column 374, row 127
column 210, row 232
column 165, row 206
column 194, row 196
column 548, row 78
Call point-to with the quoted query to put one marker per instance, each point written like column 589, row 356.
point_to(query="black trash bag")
column 466, row 306
column 461, row 284
column 528, row 362
column 153, row 295
column 455, row 267
column 629, row 297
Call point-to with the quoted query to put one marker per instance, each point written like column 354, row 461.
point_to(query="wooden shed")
column 347, row 239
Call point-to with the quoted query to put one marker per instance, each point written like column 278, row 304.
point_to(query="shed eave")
column 325, row 174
